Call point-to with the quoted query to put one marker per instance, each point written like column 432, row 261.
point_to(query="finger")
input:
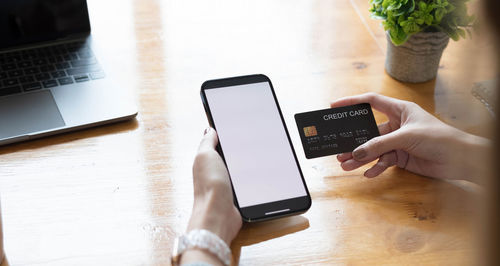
column 344, row 156
column 209, row 140
column 387, row 160
column 384, row 128
column 384, row 104
column 380, row 145
column 351, row 164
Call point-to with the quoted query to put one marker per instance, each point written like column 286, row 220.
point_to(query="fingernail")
column 206, row 130
column 359, row 153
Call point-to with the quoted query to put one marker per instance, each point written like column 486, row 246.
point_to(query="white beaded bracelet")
column 202, row 239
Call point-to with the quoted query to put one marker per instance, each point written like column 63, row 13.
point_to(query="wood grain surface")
column 119, row 194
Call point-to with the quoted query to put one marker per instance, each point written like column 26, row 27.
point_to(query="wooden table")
column 120, row 194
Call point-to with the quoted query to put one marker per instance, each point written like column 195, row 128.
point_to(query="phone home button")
column 278, row 211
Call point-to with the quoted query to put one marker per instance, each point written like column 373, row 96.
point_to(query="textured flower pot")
column 417, row 60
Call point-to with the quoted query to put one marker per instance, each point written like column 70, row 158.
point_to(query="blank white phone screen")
column 258, row 154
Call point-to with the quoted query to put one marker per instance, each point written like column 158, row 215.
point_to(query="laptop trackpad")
column 28, row 113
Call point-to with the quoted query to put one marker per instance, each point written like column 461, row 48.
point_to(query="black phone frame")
column 269, row 210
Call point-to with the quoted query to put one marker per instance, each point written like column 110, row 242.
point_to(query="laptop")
column 54, row 77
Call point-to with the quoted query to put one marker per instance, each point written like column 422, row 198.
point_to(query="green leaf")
column 422, row 5
column 386, row 3
column 410, row 26
column 429, row 19
column 401, row 19
column 439, row 14
column 398, row 36
column 411, row 6
column 461, row 32
column 380, row 17
column 395, row 6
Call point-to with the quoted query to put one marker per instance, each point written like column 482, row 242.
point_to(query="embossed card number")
column 336, row 130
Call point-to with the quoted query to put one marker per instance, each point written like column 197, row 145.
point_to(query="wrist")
column 200, row 245
column 476, row 158
column 206, row 216
column 480, row 164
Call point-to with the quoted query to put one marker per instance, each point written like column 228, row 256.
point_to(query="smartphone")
column 255, row 145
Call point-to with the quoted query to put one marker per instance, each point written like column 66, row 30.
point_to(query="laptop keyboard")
column 47, row 67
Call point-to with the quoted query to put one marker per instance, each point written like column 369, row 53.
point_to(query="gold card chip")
column 310, row 131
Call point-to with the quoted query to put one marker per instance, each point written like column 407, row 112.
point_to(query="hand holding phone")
column 213, row 207
column 254, row 142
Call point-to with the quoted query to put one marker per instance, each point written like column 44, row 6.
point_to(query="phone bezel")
column 292, row 206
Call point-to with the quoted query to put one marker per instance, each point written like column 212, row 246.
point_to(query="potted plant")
column 417, row 33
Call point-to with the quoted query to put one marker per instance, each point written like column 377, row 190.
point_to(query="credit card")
column 336, row 130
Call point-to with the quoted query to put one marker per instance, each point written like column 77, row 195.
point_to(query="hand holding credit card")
column 336, row 130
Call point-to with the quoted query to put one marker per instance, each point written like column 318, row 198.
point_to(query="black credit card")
column 336, row 130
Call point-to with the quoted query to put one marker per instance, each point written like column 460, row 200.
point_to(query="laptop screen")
column 28, row 21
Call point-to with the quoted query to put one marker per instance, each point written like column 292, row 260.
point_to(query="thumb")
column 380, row 145
column 209, row 140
